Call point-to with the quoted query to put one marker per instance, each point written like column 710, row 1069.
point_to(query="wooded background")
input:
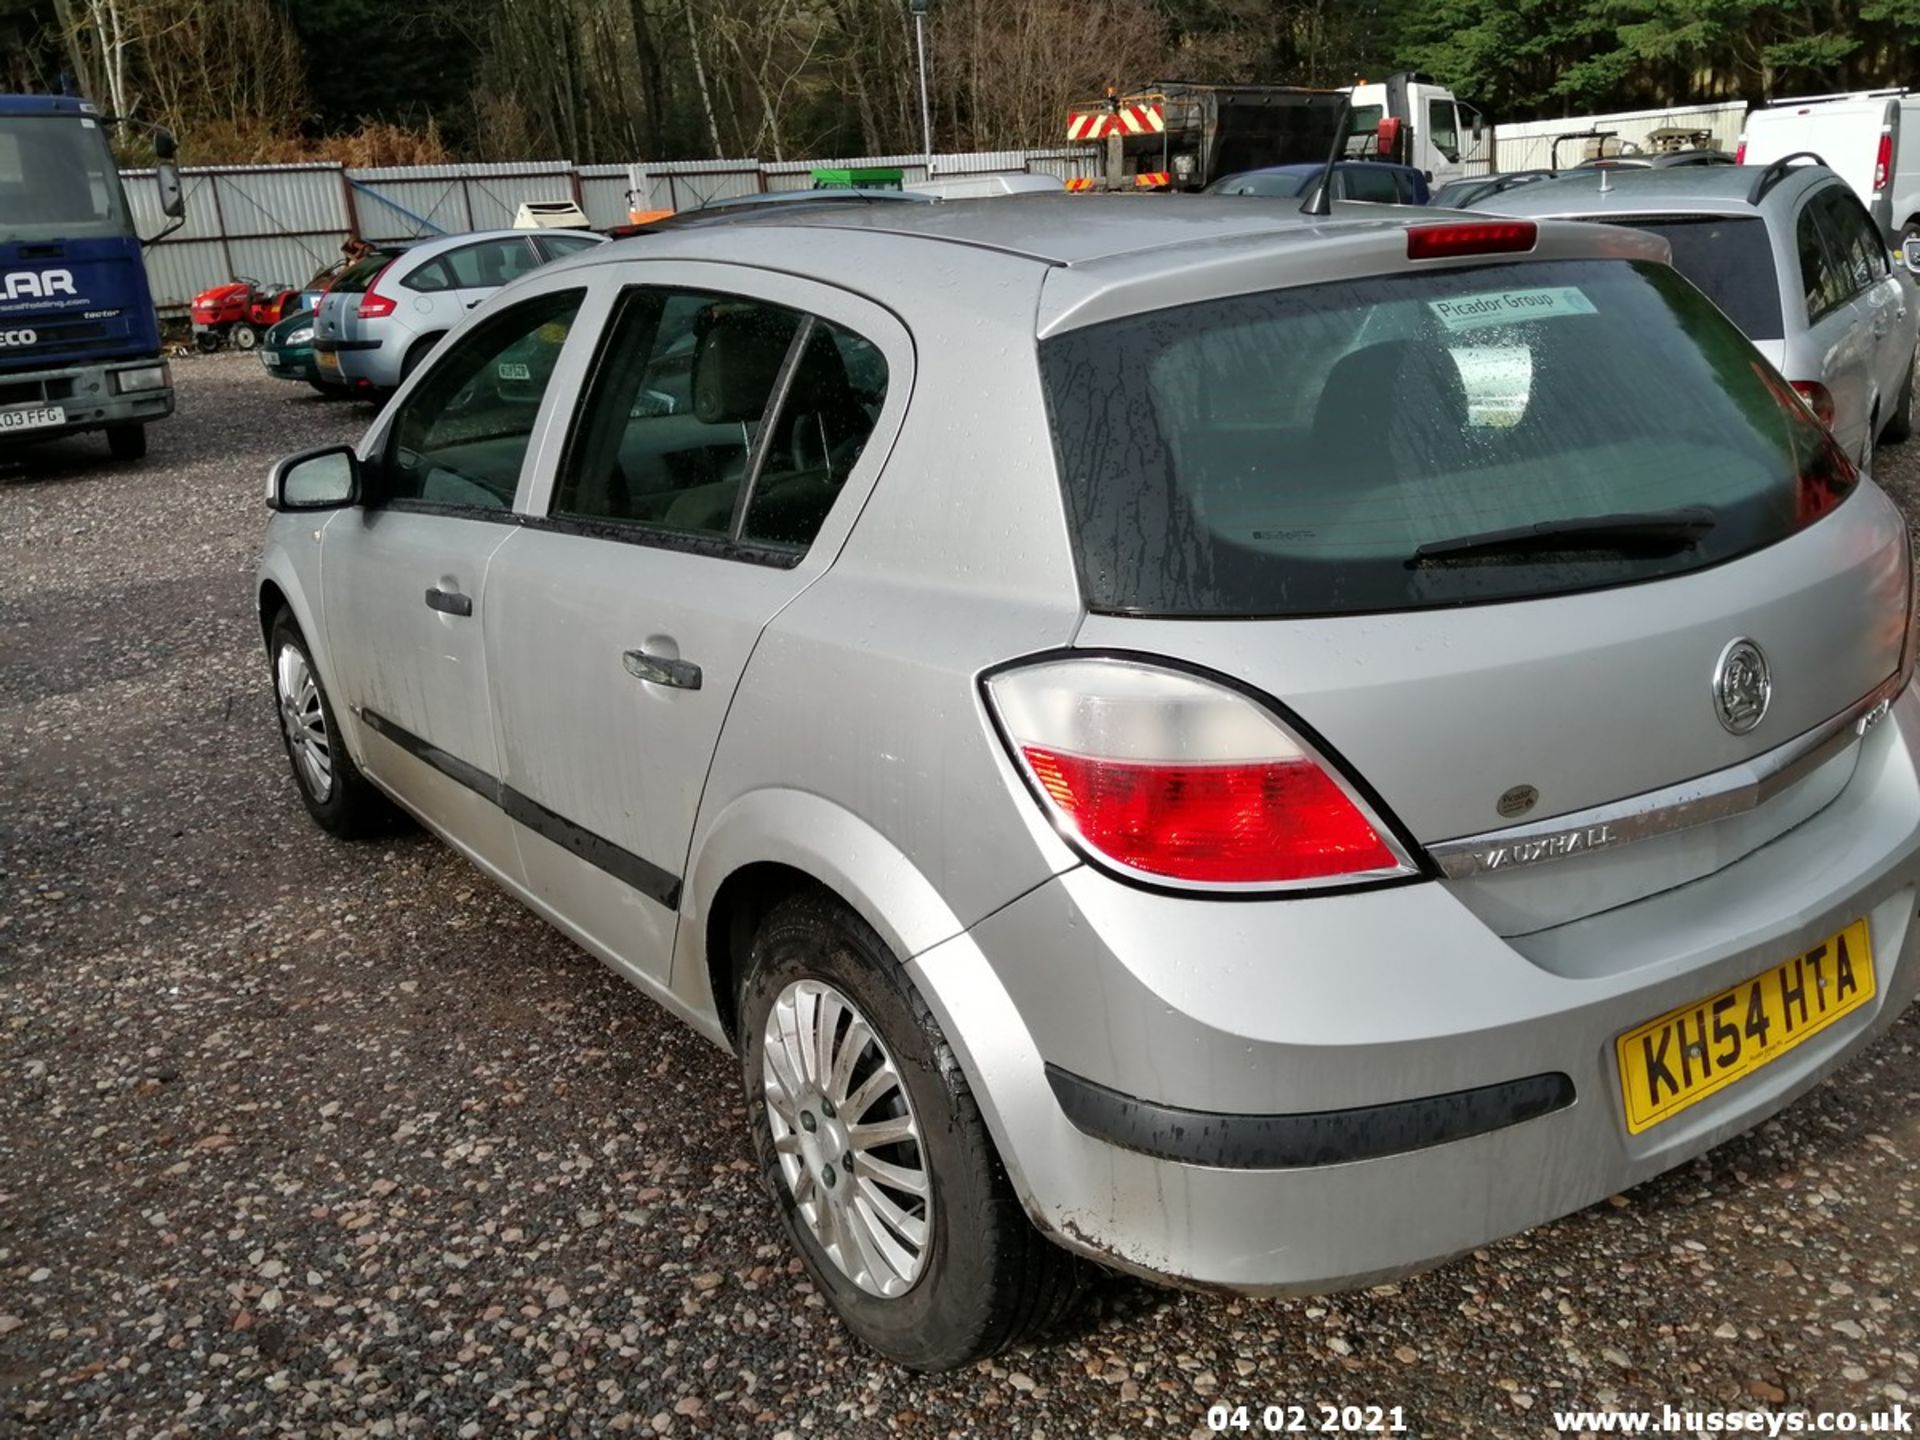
column 385, row 82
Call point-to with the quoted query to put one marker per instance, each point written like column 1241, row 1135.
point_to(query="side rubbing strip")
column 636, row 870
column 1319, row 1137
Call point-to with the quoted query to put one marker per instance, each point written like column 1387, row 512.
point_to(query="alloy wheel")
column 848, row 1142
column 305, row 721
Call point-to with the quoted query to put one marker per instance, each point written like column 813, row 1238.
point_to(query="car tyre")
column 416, row 352
column 1899, row 424
column 955, row 1271
column 127, row 442
column 340, row 799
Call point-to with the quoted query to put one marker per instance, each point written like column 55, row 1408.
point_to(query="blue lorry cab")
column 79, row 339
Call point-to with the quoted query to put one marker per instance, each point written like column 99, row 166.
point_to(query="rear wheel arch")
column 744, row 899
column 418, row 351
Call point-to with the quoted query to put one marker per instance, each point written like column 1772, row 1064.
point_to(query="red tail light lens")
column 1740, row 152
column 1826, row 476
column 373, row 305
column 1497, row 237
column 1180, row 780
column 1883, row 163
column 1819, row 400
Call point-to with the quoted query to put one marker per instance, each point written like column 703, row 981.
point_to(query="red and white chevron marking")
column 1127, row 120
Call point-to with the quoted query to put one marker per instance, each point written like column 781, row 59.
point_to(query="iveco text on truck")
column 79, row 340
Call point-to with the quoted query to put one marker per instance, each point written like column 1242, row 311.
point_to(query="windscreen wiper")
column 1653, row 532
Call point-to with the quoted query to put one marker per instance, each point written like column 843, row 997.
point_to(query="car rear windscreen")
column 1375, row 444
column 355, row 279
column 1727, row 256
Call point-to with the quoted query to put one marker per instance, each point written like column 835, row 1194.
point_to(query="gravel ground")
column 314, row 1139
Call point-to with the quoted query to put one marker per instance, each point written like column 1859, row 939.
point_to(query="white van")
column 1870, row 139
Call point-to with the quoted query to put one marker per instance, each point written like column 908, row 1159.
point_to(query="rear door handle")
column 659, row 670
column 448, row 602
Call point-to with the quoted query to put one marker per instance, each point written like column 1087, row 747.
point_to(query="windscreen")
column 58, row 180
column 1727, row 256
column 1408, row 441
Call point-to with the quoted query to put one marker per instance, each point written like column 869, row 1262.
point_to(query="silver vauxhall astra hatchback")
column 1261, row 751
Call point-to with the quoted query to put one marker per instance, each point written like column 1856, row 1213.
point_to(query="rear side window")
column 1376, row 444
column 1730, row 257
column 675, row 436
column 1371, row 185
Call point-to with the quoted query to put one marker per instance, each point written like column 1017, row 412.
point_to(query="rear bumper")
column 356, row 363
column 1305, row 1095
column 88, row 394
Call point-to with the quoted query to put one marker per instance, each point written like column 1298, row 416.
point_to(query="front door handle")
column 659, row 670
column 448, row 602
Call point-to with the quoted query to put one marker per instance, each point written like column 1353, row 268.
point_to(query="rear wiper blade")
column 1651, row 532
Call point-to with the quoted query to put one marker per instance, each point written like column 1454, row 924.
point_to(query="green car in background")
column 286, row 351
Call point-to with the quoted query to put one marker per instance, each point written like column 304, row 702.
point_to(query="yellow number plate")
column 1693, row 1052
column 327, row 359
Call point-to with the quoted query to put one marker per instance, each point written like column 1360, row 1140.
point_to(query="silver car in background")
column 1791, row 255
column 386, row 311
column 1262, row 751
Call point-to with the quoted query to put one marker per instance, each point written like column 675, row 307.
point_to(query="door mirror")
column 326, row 479
column 173, row 204
column 1910, row 253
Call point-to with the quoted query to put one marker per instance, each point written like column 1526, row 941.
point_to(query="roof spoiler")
column 1776, row 171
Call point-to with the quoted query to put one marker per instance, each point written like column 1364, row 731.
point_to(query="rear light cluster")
column 1883, row 163
column 373, row 305
column 1825, row 476
column 1740, row 153
column 1183, row 781
column 1474, row 237
column 1819, row 400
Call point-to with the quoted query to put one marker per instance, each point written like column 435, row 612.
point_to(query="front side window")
column 461, row 434
column 720, row 418
column 1402, row 442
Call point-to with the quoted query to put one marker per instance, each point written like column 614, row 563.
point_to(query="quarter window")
column 1856, row 238
column 1825, row 280
column 721, row 419
column 461, row 434
column 556, row 246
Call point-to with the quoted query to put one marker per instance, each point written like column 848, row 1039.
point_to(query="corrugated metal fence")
column 281, row 223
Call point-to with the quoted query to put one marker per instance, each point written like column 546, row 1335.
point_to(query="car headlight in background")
column 302, row 336
column 145, row 377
